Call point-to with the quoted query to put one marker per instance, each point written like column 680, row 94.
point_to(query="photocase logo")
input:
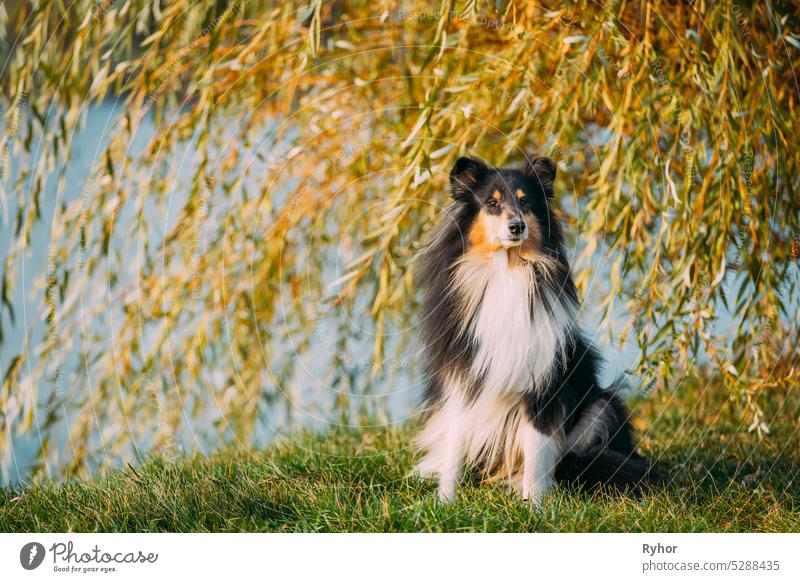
column 31, row 555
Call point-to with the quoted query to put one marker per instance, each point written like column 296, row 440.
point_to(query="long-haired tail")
column 605, row 467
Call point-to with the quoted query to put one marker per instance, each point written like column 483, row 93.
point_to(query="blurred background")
column 211, row 209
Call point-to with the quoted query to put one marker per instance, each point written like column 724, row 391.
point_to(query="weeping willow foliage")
column 273, row 169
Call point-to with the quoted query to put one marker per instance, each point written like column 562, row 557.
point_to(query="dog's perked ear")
column 465, row 176
column 542, row 171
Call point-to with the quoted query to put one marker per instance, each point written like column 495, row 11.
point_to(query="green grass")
column 718, row 478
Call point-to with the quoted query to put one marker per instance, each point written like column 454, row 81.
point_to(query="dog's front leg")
column 452, row 464
column 540, row 456
column 450, row 449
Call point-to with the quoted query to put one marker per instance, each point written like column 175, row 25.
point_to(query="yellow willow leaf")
column 720, row 274
column 423, row 118
column 364, row 257
column 687, row 273
column 441, row 152
column 383, row 286
column 343, row 279
column 670, row 184
column 378, row 346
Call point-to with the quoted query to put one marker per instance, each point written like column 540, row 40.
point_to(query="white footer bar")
column 382, row 557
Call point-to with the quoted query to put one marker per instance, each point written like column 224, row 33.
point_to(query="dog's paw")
column 446, row 493
column 535, row 495
column 534, row 499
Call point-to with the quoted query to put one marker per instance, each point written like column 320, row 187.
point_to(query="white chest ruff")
column 519, row 341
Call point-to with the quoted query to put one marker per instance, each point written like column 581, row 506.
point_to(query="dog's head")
column 510, row 207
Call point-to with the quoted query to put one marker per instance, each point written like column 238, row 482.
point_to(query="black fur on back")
column 445, row 346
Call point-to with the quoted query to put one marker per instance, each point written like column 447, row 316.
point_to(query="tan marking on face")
column 520, row 194
column 496, row 195
column 483, row 235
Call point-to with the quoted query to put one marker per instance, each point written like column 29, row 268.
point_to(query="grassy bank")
column 718, row 478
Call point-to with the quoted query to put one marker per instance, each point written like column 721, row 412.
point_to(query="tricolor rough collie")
column 512, row 388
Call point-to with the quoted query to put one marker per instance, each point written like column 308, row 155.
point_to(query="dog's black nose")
column 516, row 226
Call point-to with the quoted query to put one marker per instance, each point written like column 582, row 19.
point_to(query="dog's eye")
column 523, row 203
column 492, row 203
